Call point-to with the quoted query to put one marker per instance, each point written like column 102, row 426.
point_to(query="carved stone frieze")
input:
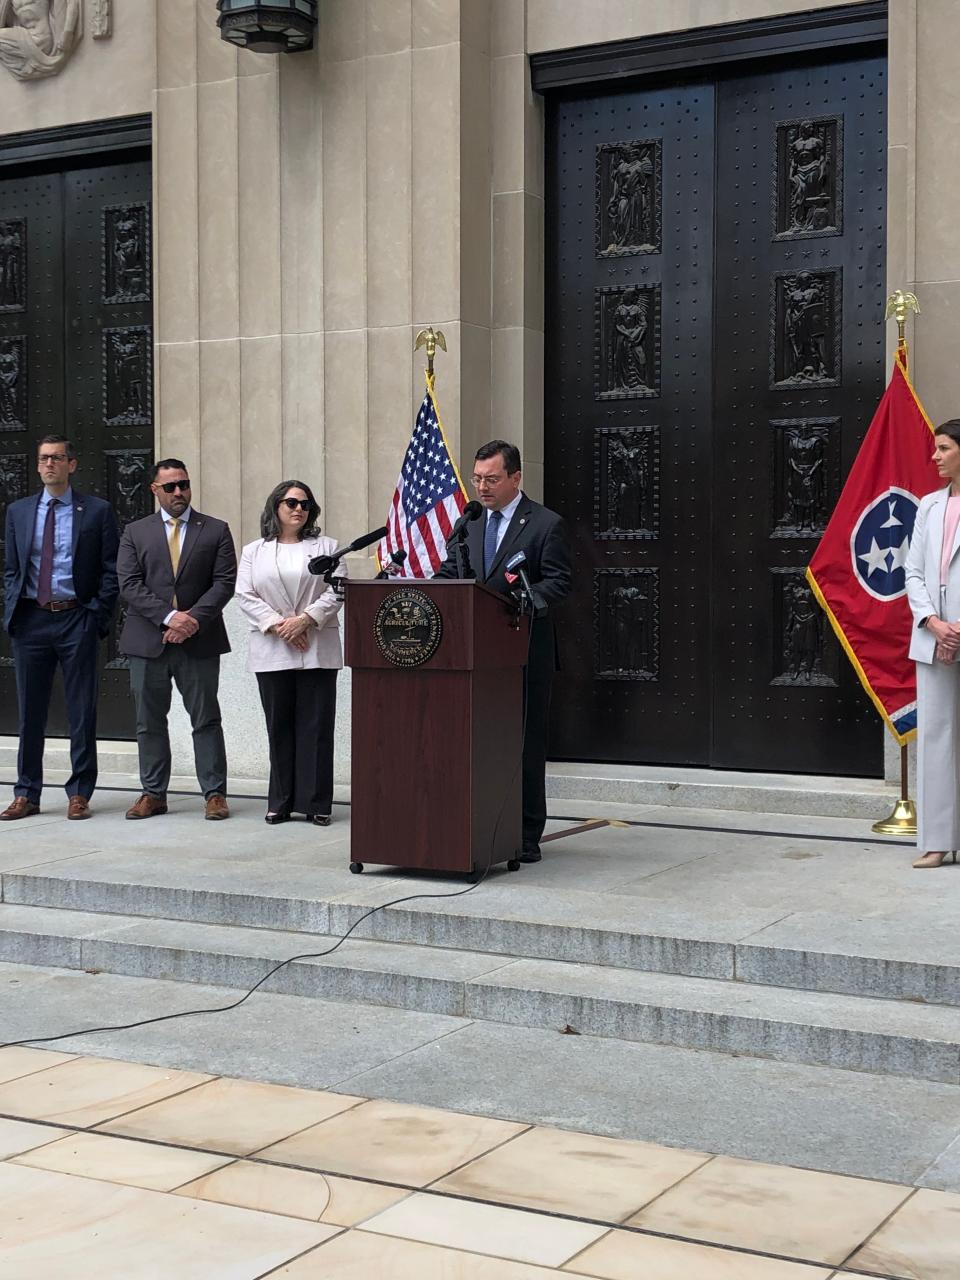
column 37, row 37
column 101, row 19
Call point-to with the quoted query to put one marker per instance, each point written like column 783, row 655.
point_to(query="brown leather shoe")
column 148, row 806
column 78, row 807
column 20, row 808
column 217, row 808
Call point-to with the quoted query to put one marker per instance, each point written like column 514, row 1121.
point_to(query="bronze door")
column 76, row 358
column 714, row 355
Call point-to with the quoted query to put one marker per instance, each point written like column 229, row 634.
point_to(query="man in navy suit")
column 513, row 523
column 60, row 589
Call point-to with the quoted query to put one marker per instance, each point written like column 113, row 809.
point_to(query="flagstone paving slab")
column 574, row 1173
column 485, row 1228
column 239, row 1116
column 813, row 1216
column 318, row 1197
column 135, row 1164
column 357, row 1255
column 17, row 1136
column 52, row 1220
column 622, row 1255
column 921, row 1241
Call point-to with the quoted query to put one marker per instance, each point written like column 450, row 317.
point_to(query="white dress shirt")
column 506, row 514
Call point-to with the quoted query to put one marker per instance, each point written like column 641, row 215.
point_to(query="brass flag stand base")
column 901, row 822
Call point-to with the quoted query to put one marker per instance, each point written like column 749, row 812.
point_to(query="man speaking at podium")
column 517, row 540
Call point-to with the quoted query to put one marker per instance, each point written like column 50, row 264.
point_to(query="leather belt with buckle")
column 58, row 606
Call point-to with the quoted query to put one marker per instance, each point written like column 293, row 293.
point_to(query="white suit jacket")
column 264, row 601
column 922, row 569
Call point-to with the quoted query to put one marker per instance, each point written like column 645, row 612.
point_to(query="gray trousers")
column 938, row 756
column 197, row 680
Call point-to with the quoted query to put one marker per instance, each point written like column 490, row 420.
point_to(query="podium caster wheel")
column 513, row 864
column 356, row 868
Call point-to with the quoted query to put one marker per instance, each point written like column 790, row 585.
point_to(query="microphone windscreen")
column 368, row 539
column 472, row 510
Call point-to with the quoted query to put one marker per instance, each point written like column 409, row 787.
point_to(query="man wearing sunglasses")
column 60, row 589
column 177, row 571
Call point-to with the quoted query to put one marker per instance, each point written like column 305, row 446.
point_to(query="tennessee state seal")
column 408, row 627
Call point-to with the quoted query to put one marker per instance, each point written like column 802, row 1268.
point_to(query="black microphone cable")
column 309, row 955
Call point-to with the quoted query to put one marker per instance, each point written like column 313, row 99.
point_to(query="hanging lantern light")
column 276, row 26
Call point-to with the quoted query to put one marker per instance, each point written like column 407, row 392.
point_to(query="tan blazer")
column 922, row 570
column 264, row 601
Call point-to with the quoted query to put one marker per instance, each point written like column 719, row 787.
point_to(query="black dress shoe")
column 531, row 855
column 319, row 819
column 274, row 819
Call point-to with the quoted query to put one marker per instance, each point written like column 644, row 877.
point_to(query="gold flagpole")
column 903, row 820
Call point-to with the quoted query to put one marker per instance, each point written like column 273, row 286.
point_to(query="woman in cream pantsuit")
column 294, row 650
column 933, row 589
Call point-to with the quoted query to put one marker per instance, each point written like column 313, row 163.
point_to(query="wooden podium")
column 437, row 740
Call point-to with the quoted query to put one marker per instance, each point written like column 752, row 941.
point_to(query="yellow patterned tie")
column 175, row 553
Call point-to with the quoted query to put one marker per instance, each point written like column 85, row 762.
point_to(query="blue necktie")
column 490, row 535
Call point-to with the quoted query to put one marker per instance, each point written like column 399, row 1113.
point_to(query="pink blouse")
column 950, row 522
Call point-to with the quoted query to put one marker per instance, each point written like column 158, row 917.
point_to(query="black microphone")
column 472, row 511
column 323, row 564
column 515, row 566
column 396, row 557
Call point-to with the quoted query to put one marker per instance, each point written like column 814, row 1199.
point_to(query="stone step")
column 722, row 789
column 884, row 1037
column 574, row 783
column 584, row 929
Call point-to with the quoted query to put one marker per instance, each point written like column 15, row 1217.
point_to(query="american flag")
column 427, row 500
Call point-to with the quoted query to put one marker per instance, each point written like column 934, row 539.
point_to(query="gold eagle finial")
column 431, row 339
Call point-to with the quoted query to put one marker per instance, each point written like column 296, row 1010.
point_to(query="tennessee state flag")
column 857, row 572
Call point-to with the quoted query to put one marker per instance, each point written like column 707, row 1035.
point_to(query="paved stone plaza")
column 769, row 989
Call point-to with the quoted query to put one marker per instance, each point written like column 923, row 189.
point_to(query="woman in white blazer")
column 294, row 650
column 933, row 590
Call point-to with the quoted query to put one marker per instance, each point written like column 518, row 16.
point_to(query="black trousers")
column 537, row 690
column 41, row 640
column 300, row 709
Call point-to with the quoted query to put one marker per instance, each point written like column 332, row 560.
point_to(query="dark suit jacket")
column 94, row 568
column 541, row 534
column 205, row 581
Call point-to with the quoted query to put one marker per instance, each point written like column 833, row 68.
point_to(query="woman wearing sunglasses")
column 294, row 650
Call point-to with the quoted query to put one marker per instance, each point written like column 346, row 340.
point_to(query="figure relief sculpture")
column 10, row 361
column 129, row 374
column 11, row 266
column 802, row 633
column 806, row 327
column 630, row 205
column 630, row 647
column 627, row 468
column 629, row 338
column 810, row 177
column 38, row 36
column 130, row 488
column 805, row 478
column 128, row 255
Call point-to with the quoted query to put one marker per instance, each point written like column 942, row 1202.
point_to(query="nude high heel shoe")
column 929, row 860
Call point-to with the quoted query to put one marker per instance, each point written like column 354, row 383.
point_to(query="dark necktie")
column 490, row 541
column 45, row 579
